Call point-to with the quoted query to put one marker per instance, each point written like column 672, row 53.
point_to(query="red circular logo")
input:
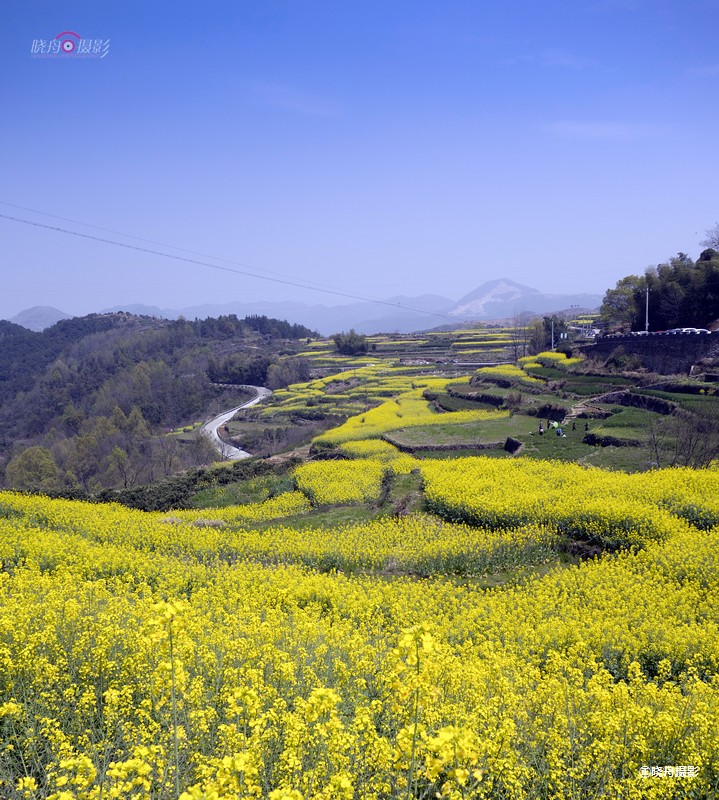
column 68, row 45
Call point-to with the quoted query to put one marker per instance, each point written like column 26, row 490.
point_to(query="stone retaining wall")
column 667, row 354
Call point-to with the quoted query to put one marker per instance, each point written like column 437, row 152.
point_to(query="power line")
column 283, row 281
column 310, row 284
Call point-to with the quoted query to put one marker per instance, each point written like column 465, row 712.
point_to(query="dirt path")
column 583, row 407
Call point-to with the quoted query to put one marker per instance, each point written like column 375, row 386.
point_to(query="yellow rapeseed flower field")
column 508, row 372
column 256, row 651
column 611, row 508
column 341, row 481
column 408, row 410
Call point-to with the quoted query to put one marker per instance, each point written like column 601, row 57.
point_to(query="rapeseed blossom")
column 192, row 655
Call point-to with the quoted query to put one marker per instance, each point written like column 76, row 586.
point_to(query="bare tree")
column 225, row 449
column 658, row 430
column 200, row 452
column 712, row 239
column 166, row 454
column 697, row 438
column 519, row 334
column 684, row 439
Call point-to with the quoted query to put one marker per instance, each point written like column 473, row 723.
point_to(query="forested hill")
column 118, row 380
column 681, row 293
column 24, row 354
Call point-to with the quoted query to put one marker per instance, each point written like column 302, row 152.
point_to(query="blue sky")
column 379, row 147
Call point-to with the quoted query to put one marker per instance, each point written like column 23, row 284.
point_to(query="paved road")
column 209, row 429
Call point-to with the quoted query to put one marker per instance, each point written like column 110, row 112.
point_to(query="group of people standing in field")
column 557, row 429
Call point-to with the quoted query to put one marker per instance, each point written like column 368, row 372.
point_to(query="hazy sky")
column 383, row 147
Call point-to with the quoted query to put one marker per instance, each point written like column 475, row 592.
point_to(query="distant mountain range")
column 495, row 300
column 38, row 318
column 502, row 298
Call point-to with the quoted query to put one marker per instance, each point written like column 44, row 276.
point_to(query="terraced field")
column 375, row 623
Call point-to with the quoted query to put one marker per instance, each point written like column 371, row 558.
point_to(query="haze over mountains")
column 38, row 318
column 495, row 300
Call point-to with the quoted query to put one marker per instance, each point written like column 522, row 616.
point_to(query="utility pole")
column 646, row 323
column 552, row 333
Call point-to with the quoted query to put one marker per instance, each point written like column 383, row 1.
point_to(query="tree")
column 240, row 369
column 712, row 239
column 682, row 294
column 671, row 302
column 684, row 438
column 33, row 470
column 121, row 464
column 536, row 337
column 287, row 371
column 620, row 307
column 519, row 334
column 166, row 454
column 351, row 343
column 554, row 326
column 72, row 419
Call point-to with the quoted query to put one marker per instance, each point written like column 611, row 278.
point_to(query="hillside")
column 97, row 394
column 38, row 318
column 380, row 623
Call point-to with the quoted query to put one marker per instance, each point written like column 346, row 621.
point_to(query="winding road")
column 209, row 429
